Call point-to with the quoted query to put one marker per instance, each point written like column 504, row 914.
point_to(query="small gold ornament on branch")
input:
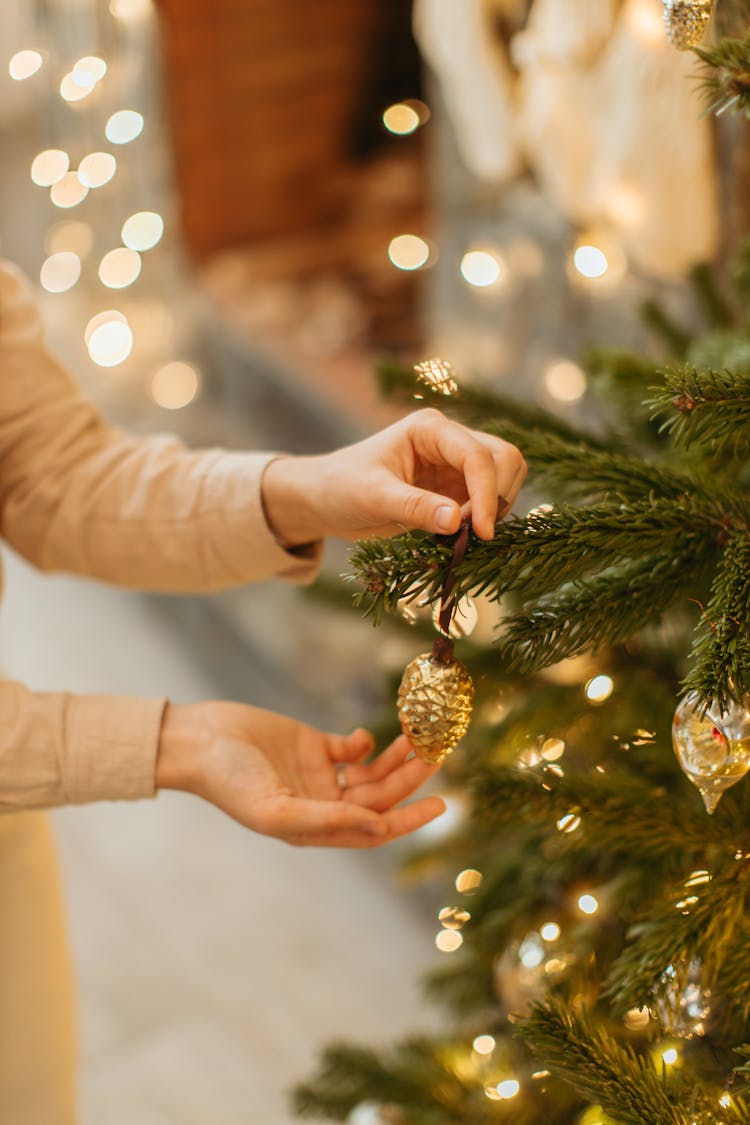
column 686, row 21
column 438, row 375
column 712, row 747
column 436, row 695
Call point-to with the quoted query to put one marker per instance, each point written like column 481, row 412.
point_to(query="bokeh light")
column 565, row 381
column 401, row 118
column 599, row 688
column 24, row 64
column 448, row 941
column 481, row 268
column 69, row 191
column 408, row 252
column 484, row 1044
column 119, row 268
column 49, row 166
column 143, row 230
column 109, row 338
column 588, row 904
column 124, row 126
column 60, row 271
column 174, row 385
column 70, row 234
column 97, row 169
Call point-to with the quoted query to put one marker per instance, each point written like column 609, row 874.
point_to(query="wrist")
column 179, row 752
column 288, row 496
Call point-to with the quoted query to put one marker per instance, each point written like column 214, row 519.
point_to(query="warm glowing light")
column 568, row 823
column 110, row 343
column 130, row 11
column 587, row 904
column 69, row 191
column 60, row 272
column 124, row 126
column 492, row 1094
column 448, row 941
column 636, row 1019
column 401, row 118
column 626, row 205
column 97, row 169
column 508, row 1089
column 550, row 931
column 697, row 877
column 484, row 1044
column 552, row 749
column 565, row 381
column 143, row 230
column 72, row 91
column 669, row 1056
column 468, row 881
column 24, row 64
column 70, row 235
column 175, row 385
column 49, row 166
column 481, row 268
column 590, row 261
column 108, row 338
column 531, row 951
column 599, row 688
column 106, row 317
column 453, row 917
column 408, row 251
column 89, row 70
column 725, row 1101
column 119, row 268
column 646, row 22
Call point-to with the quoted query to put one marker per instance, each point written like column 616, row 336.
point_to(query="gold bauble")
column 712, row 747
column 686, row 21
column 435, row 701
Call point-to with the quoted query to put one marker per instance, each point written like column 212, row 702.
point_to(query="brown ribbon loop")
column 442, row 649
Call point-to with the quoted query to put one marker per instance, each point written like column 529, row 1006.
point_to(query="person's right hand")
column 285, row 779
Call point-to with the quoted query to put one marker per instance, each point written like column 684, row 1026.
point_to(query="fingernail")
column 445, row 518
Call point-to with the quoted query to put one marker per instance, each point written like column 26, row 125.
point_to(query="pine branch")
column 536, row 554
column 705, row 921
column 620, row 815
column 594, row 613
column 726, row 75
column 709, row 409
column 720, row 658
column 595, row 1065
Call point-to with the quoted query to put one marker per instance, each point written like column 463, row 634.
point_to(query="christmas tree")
column 598, row 929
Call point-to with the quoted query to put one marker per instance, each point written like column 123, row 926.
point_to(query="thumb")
column 416, row 508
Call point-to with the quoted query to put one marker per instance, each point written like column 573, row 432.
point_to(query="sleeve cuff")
column 109, row 747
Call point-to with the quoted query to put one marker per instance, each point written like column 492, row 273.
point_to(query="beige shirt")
column 79, row 496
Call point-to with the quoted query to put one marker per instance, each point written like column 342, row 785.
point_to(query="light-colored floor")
column 212, row 965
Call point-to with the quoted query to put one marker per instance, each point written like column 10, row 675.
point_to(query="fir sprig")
column 726, row 76
column 709, row 409
column 626, row 1085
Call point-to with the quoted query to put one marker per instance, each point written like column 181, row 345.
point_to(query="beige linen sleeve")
column 77, row 495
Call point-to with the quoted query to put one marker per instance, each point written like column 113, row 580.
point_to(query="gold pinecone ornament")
column 435, row 701
column 686, row 21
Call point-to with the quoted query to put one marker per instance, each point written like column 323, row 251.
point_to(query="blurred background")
column 230, row 213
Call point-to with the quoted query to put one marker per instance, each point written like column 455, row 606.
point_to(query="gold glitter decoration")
column 438, row 375
column 434, row 705
column 686, row 21
column 713, row 749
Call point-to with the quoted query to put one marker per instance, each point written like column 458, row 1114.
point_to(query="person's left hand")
column 425, row 471
column 285, row 779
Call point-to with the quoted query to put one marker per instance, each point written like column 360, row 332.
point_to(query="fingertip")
column 447, row 518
